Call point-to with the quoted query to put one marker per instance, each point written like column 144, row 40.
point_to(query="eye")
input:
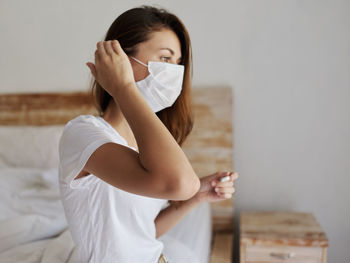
column 166, row 58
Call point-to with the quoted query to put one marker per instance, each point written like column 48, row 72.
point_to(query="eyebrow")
column 171, row 51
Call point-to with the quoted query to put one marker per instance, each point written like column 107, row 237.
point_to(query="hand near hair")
column 112, row 69
column 207, row 192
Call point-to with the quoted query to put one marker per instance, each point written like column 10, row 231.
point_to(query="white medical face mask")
column 163, row 85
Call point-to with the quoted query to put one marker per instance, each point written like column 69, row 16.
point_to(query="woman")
column 118, row 170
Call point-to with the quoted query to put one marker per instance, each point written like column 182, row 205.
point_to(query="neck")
column 114, row 116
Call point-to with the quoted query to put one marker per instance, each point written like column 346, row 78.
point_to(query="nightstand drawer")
column 278, row 254
column 281, row 236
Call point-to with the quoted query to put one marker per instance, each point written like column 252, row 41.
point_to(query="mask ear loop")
column 139, row 61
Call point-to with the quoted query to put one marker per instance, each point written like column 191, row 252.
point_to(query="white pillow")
column 29, row 146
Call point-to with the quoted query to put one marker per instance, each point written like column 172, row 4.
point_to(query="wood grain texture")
column 276, row 236
column 289, row 254
column 40, row 109
column 209, row 147
column 222, row 248
column 281, row 228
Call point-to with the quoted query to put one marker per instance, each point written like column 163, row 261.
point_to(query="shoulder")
column 83, row 130
column 84, row 120
column 84, row 124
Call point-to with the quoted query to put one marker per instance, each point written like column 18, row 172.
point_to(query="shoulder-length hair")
column 135, row 26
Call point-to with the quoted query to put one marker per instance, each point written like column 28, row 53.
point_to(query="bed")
column 33, row 227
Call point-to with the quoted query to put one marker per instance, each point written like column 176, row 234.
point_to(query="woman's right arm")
column 160, row 169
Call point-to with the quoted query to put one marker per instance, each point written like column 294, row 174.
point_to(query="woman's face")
column 163, row 46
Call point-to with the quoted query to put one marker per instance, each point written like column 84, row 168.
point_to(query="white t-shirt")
column 107, row 224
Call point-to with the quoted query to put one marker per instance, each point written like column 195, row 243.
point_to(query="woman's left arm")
column 171, row 215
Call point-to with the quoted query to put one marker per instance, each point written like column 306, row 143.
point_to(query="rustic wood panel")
column 289, row 254
column 222, row 248
column 276, row 236
column 43, row 108
column 281, row 228
column 209, row 147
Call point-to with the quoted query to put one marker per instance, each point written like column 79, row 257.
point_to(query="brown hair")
column 135, row 26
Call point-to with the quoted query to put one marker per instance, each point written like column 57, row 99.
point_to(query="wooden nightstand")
column 275, row 236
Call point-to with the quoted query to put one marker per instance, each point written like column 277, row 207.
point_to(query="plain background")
column 287, row 61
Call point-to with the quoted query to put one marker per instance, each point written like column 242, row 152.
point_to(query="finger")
column 108, row 47
column 225, row 178
column 229, row 176
column 224, row 184
column 117, row 47
column 224, row 195
column 234, row 175
column 228, row 195
column 225, row 190
column 92, row 68
column 220, row 178
column 217, row 176
column 96, row 54
column 100, row 49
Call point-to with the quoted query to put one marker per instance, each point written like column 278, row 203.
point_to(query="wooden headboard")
column 209, row 147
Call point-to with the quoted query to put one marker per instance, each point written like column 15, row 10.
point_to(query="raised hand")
column 112, row 69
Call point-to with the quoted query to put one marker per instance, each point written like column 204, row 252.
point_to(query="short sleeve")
column 80, row 138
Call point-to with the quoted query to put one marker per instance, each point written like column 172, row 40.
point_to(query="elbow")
column 185, row 187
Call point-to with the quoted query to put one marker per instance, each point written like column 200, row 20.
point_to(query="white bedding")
column 33, row 227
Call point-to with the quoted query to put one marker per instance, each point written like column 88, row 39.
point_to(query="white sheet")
column 33, row 227
column 192, row 235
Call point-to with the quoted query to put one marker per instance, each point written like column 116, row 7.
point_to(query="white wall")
column 292, row 94
column 287, row 61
